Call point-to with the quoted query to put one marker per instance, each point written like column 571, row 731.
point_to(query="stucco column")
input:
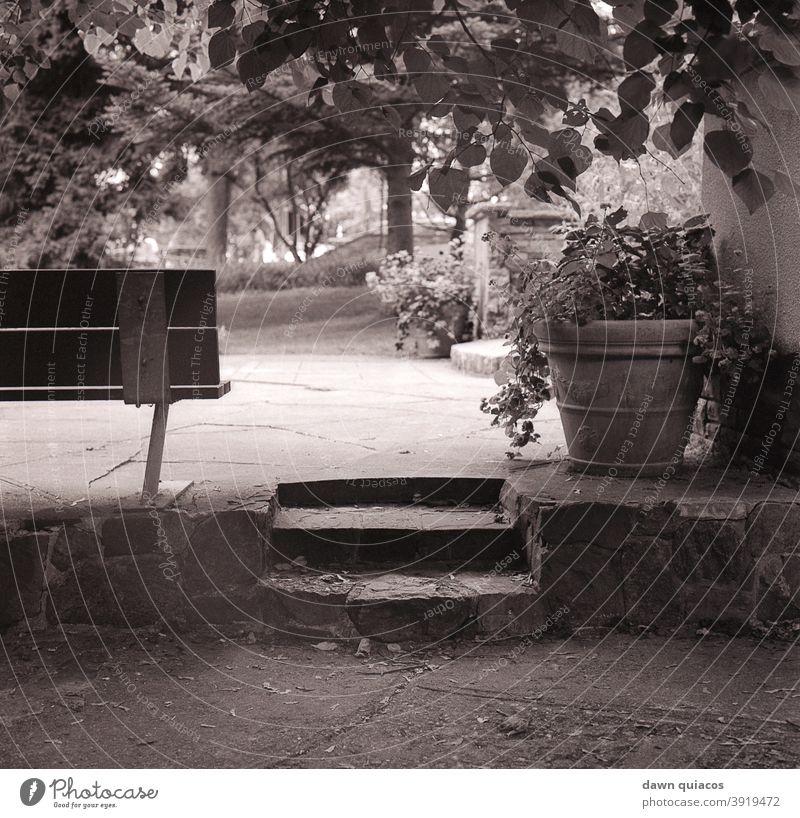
column 758, row 424
column 766, row 244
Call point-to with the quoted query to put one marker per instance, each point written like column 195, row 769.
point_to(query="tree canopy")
column 694, row 57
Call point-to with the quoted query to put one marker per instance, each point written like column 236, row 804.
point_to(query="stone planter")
column 626, row 391
column 421, row 344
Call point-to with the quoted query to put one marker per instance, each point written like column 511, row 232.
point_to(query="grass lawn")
column 329, row 321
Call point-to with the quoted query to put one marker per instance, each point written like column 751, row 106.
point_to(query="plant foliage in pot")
column 431, row 298
column 610, row 330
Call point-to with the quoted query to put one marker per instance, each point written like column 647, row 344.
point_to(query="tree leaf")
column 472, row 155
column 625, row 136
column 753, row 188
column 509, row 156
column 782, row 43
column 431, row 87
column 640, row 49
column 464, row 118
column 221, row 14
column 547, row 15
column 416, row 179
column 654, row 220
column 687, row 119
column 252, row 31
column 663, row 141
column 729, row 151
column 252, row 71
column 635, row 90
column 659, row 11
column 273, row 54
column 417, row 61
column 351, row 96
column 391, row 115
column 780, row 87
column 448, row 186
column 578, row 36
column 221, row 49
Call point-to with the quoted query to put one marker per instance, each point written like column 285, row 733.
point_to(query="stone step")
column 431, row 491
column 400, row 606
column 483, row 357
column 351, row 535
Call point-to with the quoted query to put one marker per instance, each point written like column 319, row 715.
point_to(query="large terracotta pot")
column 626, row 391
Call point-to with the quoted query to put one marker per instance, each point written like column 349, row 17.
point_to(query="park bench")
column 140, row 336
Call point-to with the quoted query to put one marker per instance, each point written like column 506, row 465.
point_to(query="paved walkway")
column 286, row 418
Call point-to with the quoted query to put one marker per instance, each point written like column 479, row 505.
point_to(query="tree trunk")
column 460, row 226
column 218, row 201
column 399, row 200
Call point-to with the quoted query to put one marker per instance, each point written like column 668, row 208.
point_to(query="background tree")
column 689, row 56
column 54, row 161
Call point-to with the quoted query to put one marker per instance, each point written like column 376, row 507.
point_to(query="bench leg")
column 155, row 452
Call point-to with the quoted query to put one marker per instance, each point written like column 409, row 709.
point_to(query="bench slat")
column 88, row 298
column 77, row 358
column 42, row 393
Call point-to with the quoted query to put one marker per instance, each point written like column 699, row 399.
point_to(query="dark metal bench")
column 140, row 336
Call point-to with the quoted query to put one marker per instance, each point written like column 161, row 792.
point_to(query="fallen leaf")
column 364, row 648
column 515, row 725
column 272, row 689
column 393, row 647
column 325, row 646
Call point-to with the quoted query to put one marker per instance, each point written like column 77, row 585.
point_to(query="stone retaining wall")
column 698, row 562
column 134, row 568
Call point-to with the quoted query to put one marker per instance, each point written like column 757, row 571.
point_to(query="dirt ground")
column 150, row 699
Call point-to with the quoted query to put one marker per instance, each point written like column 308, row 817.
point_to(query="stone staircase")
column 418, row 560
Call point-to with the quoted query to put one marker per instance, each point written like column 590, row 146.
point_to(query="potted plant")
column 619, row 329
column 431, row 298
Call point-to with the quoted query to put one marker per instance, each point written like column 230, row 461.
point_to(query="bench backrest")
column 137, row 335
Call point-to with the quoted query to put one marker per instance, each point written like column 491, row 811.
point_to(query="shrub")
column 432, row 293
column 330, row 270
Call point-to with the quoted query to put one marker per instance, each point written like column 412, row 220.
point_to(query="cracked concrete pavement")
column 288, row 417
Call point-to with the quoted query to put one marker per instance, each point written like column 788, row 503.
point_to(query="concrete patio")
column 287, row 417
